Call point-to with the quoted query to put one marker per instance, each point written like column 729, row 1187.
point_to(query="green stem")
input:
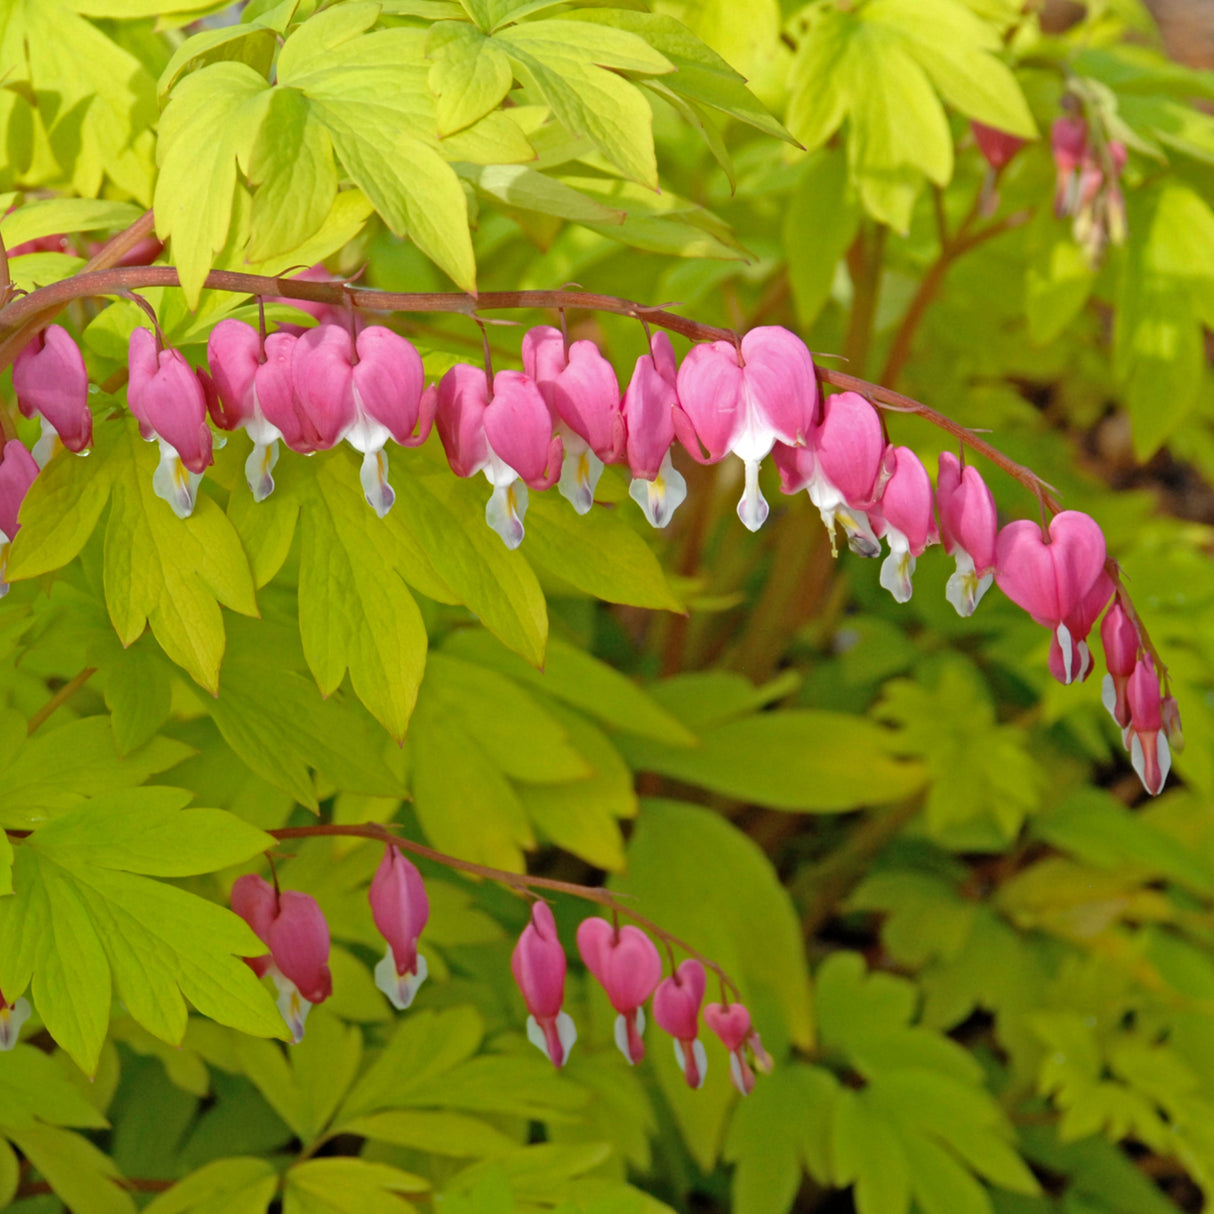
column 61, row 697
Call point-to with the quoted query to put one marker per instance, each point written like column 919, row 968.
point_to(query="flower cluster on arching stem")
column 623, row 960
column 563, row 418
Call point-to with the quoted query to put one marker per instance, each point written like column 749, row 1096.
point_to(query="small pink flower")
column 293, row 928
column 321, row 371
column 252, row 383
column 581, row 391
column 649, row 406
column 731, row 1024
column 507, row 436
column 676, row 1008
column 17, row 472
column 1073, row 663
column 50, row 380
column 1119, row 637
column 400, row 909
column 1068, row 142
column 998, row 147
column 1145, row 736
column 969, row 526
column 168, row 398
column 1056, row 582
column 538, row 964
column 906, row 519
column 627, row 966
column 844, row 468
column 743, row 401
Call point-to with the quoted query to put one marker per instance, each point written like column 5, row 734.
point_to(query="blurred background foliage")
column 981, row 960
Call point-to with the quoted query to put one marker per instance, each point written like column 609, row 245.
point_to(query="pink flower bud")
column 293, row 928
column 998, row 147
column 400, row 909
column 1053, row 581
column 744, row 401
column 1145, row 736
column 731, row 1024
column 676, row 1008
column 906, row 518
column 969, row 525
column 1172, row 728
column 627, row 966
column 50, row 379
column 538, row 964
column 648, row 409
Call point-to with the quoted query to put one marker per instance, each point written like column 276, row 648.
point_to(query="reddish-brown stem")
column 522, row 882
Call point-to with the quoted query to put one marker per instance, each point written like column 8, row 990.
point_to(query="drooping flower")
column 1119, row 637
column 504, row 431
column 252, row 381
column 323, row 400
column 1068, row 143
column 969, row 525
column 1146, row 736
column 731, row 1024
column 538, row 964
column 17, row 472
column 169, row 400
column 1056, row 582
column 906, row 519
column 1074, row 664
column 627, row 966
column 50, row 380
column 400, row 909
column 997, row 147
column 744, row 400
column 648, row 408
column 12, row 1017
column 844, row 469
column 676, row 1008
column 293, row 928
column 581, row 389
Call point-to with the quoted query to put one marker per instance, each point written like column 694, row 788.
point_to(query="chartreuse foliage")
column 979, row 969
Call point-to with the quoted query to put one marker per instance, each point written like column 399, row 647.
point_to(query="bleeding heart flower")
column 400, row 909
column 583, row 394
column 731, row 1024
column 50, row 380
column 1052, row 581
column 1146, row 736
column 293, row 927
column 676, row 1008
column 169, row 399
column 844, row 469
column 649, row 406
column 744, row 400
column 17, row 472
column 998, row 147
column 1119, row 637
column 627, row 966
column 969, row 526
column 906, row 519
column 506, row 434
column 538, row 964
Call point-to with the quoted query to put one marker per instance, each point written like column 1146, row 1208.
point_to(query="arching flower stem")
column 522, row 882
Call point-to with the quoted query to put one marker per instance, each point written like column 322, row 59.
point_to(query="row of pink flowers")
column 563, row 417
column 623, row 960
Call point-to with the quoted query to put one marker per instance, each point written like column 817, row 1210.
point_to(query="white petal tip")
column 662, row 496
column 401, row 989
column 11, row 1020
column 505, row 511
